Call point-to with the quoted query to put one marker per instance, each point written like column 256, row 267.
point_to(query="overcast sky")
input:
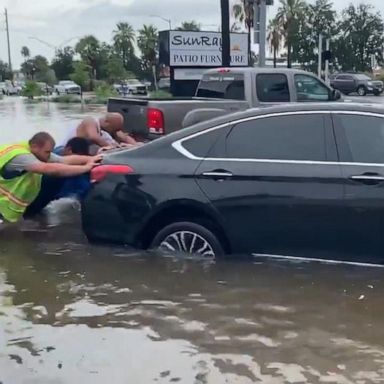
column 55, row 22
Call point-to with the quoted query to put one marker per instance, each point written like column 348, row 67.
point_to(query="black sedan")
column 293, row 181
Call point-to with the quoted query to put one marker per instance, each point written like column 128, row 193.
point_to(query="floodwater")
column 75, row 313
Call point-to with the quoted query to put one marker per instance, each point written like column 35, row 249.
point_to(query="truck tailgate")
column 134, row 112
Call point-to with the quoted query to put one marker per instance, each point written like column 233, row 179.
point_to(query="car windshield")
column 133, row 82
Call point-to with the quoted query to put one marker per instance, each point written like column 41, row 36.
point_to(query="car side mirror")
column 335, row 95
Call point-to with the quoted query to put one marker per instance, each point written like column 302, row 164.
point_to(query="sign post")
column 225, row 34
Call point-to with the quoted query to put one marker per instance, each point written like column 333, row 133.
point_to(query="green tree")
column 190, row 26
column 319, row 18
column 81, row 75
column 123, row 42
column 26, row 53
column 147, row 42
column 290, row 15
column 32, row 90
column 361, row 36
column 5, row 73
column 48, row 77
column 115, row 70
column 275, row 39
column 243, row 11
column 62, row 63
column 89, row 50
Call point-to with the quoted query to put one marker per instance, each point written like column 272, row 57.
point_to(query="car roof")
column 270, row 110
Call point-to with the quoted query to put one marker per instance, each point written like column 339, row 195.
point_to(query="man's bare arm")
column 122, row 137
column 79, row 159
column 90, row 132
column 60, row 170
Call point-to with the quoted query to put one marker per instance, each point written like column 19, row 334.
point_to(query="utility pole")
column 225, row 34
column 9, row 44
column 320, row 55
column 263, row 31
column 327, row 47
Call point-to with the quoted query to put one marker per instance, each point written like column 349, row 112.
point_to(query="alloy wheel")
column 189, row 242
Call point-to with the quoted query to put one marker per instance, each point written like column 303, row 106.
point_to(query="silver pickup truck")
column 220, row 91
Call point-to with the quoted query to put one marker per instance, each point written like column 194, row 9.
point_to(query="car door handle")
column 368, row 178
column 218, row 174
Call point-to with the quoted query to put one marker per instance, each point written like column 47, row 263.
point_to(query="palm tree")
column 275, row 39
column 190, row 26
column 288, row 17
column 147, row 42
column 89, row 50
column 26, row 53
column 124, row 40
column 243, row 11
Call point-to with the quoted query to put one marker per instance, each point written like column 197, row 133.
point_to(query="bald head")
column 113, row 122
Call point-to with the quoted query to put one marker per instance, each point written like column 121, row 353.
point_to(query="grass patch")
column 160, row 95
column 66, row 99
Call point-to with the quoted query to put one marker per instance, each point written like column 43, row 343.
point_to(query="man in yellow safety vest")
column 22, row 166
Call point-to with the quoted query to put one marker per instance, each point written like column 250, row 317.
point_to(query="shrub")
column 31, row 90
column 161, row 95
column 66, row 99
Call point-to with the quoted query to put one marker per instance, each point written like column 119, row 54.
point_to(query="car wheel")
column 190, row 238
column 377, row 93
column 361, row 91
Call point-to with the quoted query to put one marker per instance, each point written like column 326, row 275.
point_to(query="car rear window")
column 222, row 86
column 272, row 88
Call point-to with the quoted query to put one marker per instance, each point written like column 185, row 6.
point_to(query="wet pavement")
column 71, row 312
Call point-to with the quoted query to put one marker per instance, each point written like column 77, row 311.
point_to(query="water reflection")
column 71, row 312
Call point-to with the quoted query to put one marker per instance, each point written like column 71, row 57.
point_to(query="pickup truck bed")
column 221, row 91
column 137, row 112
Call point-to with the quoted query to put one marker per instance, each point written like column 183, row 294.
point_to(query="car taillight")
column 100, row 172
column 155, row 121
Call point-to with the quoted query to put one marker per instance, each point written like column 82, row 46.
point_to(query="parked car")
column 133, row 87
column 67, row 87
column 221, row 91
column 164, row 84
column 47, row 89
column 292, row 180
column 2, row 88
column 356, row 82
column 12, row 88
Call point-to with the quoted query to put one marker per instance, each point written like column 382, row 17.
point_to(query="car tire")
column 377, row 93
column 361, row 91
column 190, row 238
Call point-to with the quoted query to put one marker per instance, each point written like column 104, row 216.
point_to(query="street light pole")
column 169, row 21
column 225, row 34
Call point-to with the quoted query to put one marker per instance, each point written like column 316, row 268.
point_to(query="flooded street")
column 75, row 313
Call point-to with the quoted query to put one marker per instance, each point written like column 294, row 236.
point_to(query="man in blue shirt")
column 54, row 188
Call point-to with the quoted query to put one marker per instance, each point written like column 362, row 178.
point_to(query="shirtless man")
column 106, row 132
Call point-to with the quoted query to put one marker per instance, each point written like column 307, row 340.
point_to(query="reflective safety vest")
column 20, row 191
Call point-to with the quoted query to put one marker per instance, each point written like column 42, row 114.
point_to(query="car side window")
column 272, row 88
column 201, row 145
column 361, row 138
column 308, row 88
column 291, row 137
